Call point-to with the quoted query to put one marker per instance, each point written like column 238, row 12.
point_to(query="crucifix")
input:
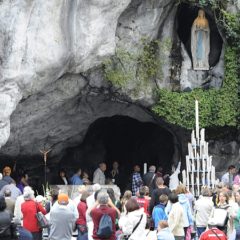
column 45, row 154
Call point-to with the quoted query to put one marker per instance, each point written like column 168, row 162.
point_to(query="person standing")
column 103, row 206
column 187, row 211
column 5, row 221
column 81, row 221
column 9, row 201
column 62, row 219
column 23, row 182
column 149, row 178
column 175, row 217
column 203, row 209
column 63, row 180
column 114, row 174
column 213, row 233
column 174, row 180
column 164, row 232
column 158, row 213
column 137, row 181
column 29, row 209
column 99, row 176
column 227, row 178
column 161, row 189
column 2, row 182
column 15, row 192
column 76, row 178
column 133, row 223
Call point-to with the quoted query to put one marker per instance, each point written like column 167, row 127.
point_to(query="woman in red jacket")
column 81, row 221
column 29, row 209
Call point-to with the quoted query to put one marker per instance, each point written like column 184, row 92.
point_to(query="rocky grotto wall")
column 52, row 83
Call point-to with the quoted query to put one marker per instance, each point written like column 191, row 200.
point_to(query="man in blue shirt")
column 76, row 179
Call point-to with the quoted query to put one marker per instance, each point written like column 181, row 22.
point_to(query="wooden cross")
column 45, row 153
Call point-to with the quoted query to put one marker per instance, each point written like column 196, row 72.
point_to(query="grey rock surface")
column 51, row 82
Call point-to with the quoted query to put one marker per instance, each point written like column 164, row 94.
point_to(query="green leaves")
column 216, row 107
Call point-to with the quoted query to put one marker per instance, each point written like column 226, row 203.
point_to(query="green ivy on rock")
column 217, row 107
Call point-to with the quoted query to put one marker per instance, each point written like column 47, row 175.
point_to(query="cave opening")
column 125, row 140
column 185, row 17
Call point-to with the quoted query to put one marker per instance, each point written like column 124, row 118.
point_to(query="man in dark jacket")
column 149, row 179
column 2, row 182
column 5, row 220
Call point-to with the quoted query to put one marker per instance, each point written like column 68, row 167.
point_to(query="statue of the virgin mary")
column 200, row 42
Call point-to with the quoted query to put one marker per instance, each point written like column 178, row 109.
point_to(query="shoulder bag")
column 42, row 220
column 128, row 236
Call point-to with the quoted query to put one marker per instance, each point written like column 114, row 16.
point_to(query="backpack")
column 105, row 228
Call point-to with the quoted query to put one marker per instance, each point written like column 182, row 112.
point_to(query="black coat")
column 150, row 181
column 5, row 225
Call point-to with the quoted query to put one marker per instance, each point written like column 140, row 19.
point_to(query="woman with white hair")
column 29, row 209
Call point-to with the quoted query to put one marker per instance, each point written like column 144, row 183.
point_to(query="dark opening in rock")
column 122, row 139
column 186, row 15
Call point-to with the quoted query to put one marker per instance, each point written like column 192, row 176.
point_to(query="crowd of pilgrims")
column 151, row 209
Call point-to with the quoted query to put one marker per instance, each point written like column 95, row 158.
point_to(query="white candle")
column 213, row 176
column 192, row 136
column 184, row 177
column 193, row 192
column 197, row 120
column 202, row 133
column 145, row 168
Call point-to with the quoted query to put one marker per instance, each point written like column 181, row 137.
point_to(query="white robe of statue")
column 200, row 42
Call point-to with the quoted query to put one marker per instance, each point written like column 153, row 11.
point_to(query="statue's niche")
column 195, row 74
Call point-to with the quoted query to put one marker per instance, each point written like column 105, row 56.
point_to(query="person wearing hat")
column 62, row 219
column 213, row 233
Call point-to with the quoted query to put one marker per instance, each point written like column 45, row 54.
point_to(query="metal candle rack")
column 199, row 169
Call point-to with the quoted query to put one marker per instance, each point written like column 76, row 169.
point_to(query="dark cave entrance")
column 125, row 140
column 186, row 15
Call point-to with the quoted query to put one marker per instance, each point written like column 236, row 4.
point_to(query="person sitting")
column 76, row 179
column 98, row 175
column 164, row 232
column 158, row 213
column 133, row 223
column 103, row 207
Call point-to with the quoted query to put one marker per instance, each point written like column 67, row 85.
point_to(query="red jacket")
column 211, row 235
column 29, row 210
column 82, row 208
